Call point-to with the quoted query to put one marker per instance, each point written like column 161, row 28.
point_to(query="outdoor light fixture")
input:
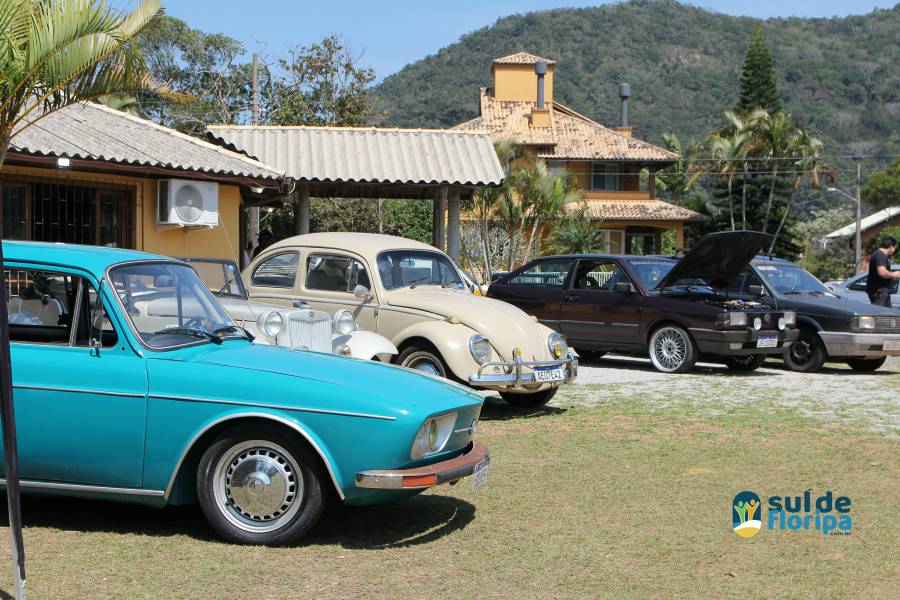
column 256, row 190
column 63, row 162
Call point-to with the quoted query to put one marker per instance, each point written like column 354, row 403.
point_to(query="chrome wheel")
column 670, row 349
column 258, row 486
column 423, row 360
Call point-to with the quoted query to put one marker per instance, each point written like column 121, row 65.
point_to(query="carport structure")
column 369, row 162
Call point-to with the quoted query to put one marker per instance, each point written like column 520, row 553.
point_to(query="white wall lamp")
column 63, row 162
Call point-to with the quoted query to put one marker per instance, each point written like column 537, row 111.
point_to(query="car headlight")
column 790, row 318
column 732, row 319
column 557, row 344
column 757, row 323
column 433, row 435
column 781, row 323
column 270, row 323
column 343, row 321
column 344, row 350
column 862, row 323
column 480, row 347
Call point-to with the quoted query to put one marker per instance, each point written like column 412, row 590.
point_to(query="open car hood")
column 718, row 258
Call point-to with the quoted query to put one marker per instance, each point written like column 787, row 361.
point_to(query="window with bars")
column 63, row 211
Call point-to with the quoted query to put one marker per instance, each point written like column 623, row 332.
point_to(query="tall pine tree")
column 759, row 83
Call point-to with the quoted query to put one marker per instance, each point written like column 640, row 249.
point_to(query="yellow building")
column 606, row 162
column 88, row 174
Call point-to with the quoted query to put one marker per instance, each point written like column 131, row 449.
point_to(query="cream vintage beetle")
column 413, row 294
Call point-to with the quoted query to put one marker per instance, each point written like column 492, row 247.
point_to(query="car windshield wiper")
column 191, row 331
column 412, row 284
column 235, row 328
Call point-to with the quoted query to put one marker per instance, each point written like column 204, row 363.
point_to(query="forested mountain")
column 839, row 77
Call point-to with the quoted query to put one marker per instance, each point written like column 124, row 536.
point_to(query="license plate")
column 892, row 344
column 767, row 341
column 479, row 475
column 549, row 374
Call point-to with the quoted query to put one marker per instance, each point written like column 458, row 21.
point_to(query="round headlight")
column 270, row 323
column 557, row 344
column 344, row 350
column 480, row 347
column 781, row 324
column 757, row 323
column 344, row 322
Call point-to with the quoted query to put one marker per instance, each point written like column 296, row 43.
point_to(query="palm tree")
column 728, row 149
column 576, row 234
column 54, row 53
column 511, row 216
column 776, row 138
column 809, row 167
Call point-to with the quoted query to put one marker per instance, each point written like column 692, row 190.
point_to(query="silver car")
column 299, row 327
column 855, row 288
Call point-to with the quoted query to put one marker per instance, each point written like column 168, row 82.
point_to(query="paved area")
column 835, row 394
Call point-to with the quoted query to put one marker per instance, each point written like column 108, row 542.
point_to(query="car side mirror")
column 623, row 287
column 755, row 290
column 361, row 292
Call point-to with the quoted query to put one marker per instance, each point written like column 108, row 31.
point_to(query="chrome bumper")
column 421, row 478
column 859, row 344
column 519, row 372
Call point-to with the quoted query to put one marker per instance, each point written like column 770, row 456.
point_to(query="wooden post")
column 301, row 209
column 453, row 224
column 437, row 227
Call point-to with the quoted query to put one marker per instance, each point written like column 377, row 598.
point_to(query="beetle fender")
column 451, row 340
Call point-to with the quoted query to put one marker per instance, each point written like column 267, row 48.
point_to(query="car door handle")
column 570, row 297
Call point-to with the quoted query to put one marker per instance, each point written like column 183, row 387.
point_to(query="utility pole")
column 255, row 75
column 858, row 213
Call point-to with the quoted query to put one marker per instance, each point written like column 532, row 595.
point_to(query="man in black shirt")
column 878, row 284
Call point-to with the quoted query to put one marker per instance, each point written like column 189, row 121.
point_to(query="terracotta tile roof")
column 521, row 58
column 569, row 136
column 649, row 209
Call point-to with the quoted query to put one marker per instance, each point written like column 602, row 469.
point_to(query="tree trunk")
column 534, row 227
column 787, row 209
column 744, row 204
column 730, row 204
column 486, row 250
column 765, row 224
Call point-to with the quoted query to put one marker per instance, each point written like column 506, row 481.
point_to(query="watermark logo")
column 745, row 513
column 827, row 513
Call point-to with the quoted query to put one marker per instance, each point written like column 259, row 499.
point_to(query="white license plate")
column 892, row 344
column 479, row 475
column 551, row 374
column 767, row 341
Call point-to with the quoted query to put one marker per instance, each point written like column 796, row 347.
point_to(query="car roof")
column 364, row 243
column 95, row 259
column 613, row 256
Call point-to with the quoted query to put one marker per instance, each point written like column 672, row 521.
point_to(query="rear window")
column 544, row 273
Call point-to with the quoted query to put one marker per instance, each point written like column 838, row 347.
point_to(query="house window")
column 641, row 244
column 613, row 241
column 606, row 176
column 60, row 211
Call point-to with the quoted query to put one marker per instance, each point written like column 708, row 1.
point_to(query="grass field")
column 623, row 499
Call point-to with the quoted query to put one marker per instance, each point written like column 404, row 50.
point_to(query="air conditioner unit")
column 187, row 203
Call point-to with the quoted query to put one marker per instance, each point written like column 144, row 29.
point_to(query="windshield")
column 791, row 279
column 168, row 305
column 411, row 268
column 221, row 278
column 651, row 272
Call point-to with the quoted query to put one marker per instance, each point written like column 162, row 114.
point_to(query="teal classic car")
column 132, row 383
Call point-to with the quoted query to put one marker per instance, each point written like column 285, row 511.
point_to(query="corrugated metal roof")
column 93, row 132
column 866, row 223
column 369, row 155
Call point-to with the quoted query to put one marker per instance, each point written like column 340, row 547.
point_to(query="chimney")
column 540, row 116
column 624, row 92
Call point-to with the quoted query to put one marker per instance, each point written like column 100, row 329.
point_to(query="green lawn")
column 621, row 500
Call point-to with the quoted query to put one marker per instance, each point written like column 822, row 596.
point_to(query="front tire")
column 807, row 354
column 529, row 400
column 425, row 359
column 672, row 350
column 745, row 364
column 866, row 365
column 260, row 486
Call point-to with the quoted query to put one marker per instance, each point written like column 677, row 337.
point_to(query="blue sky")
column 392, row 33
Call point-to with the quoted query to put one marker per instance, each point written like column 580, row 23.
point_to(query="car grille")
column 310, row 333
column 887, row 324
